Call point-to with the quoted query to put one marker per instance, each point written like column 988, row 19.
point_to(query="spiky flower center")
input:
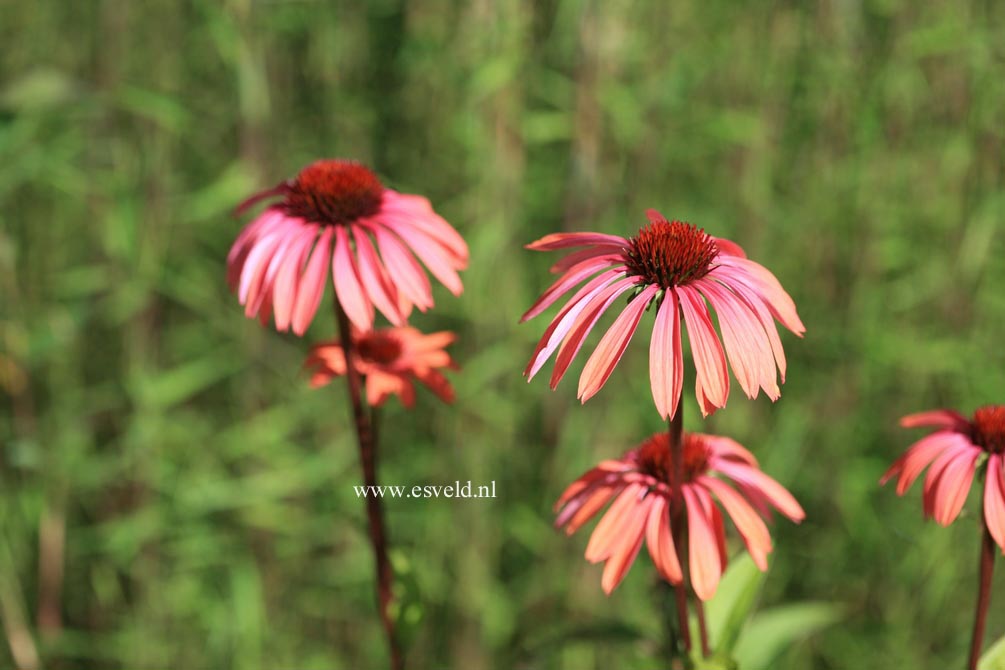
column 989, row 428
column 671, row 253
column 379, row 348
column 333, row 192
column 653, row 457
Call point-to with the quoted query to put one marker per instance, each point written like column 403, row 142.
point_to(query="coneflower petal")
column 659, row 540
column 774, row 493
column 568, row 240
column 954, row 486
column 711, row 380
column 752, row 528
column 994, row 500
column 348, row 287
column 939, row 418
column 284, row 294
column 605, row 535
column 563, row 285
column 312, row 283
column 919, row 456
column 666, row 360
column 404, row 270
column 704, row 564
column 374, row 277
column 612, row 346
column 625, row 547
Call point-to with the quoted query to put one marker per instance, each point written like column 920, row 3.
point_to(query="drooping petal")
column 591, row 505
column 659, row 540
column 312, row 283
column 911, row 464
column 433, row 257
column 954, row 486
column 626, row 547
column 564, row 321
column 745, row 342
column 404, row 270
column 378, row 285
column 704, row 563
column 348, row 287
column 612, row 346
column 752, row 528
column 994, row 500
column 563, row 285
column 711, row 380
column 605, row 535
column 284, row 294
column 666, row 360
column 760, row 279
column 775, row 493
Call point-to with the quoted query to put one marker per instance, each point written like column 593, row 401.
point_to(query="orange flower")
column 388, row 359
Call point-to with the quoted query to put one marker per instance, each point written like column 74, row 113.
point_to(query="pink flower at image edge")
column 952, row 455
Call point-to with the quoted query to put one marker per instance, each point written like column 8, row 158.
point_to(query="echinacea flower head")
column 390, row 360
column 678, row 269
column 953, row 454
column 337, row 214
column 716, row 469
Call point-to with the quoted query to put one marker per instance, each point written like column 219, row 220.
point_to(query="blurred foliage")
column 171, row 493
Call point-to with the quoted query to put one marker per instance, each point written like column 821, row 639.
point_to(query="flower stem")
column 983, row 595
column 366, row 438
column 676, row 433
column 699, row 609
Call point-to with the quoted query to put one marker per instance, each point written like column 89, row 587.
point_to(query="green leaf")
column 728, row 611
column 773, row 631
column 994, row 657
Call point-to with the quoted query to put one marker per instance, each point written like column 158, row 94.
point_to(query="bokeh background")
column 172, row 495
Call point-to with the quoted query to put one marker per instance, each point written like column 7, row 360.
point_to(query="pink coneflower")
column 954, row 451
column 639, row 485
column 337, row 213
column 677, row 267
column 389, row 359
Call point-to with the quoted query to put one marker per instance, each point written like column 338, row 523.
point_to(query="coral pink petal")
column 583, row 324
column 405, row 271
column 605, row 536
column 774, row 492
column 919, row 456
column 348, row 287
column 626, row 547
column 752, row 528
column 433, row 257
column 284, row 293
column 757, row 305
column 729, row 247
column 255, row 266
column 590, row 506
column 704, row 563
column 666, row 360
column 745, row 342
column 424, row 218
column 596, row 253
column 659, row 540
column 612, row 346
column 374, row 277
column 760, row 279
column 933, row 479
column 711, row 380
column 725, row 447
column 563, row 285
column 565, row 319
column 567, row 240
column 938, row 418
column 994, row 500
column 954, row 486
column 312, row 283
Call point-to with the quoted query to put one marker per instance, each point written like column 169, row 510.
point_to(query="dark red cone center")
column 671, row 253
column 333, row 192
column 989, row 428
column 653, row 457
column 378, row 348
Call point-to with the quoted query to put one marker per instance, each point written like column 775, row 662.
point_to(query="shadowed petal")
column 666, row 360
column 994, row 500
column 711, row 380
column 348, row 287
column 704, row 564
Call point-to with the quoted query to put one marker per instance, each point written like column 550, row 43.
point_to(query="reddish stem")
column 983, row 595
column 676, row 433
column 699, row 609
column 366, row 438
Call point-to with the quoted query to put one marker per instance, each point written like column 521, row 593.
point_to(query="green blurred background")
column 172, row 495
